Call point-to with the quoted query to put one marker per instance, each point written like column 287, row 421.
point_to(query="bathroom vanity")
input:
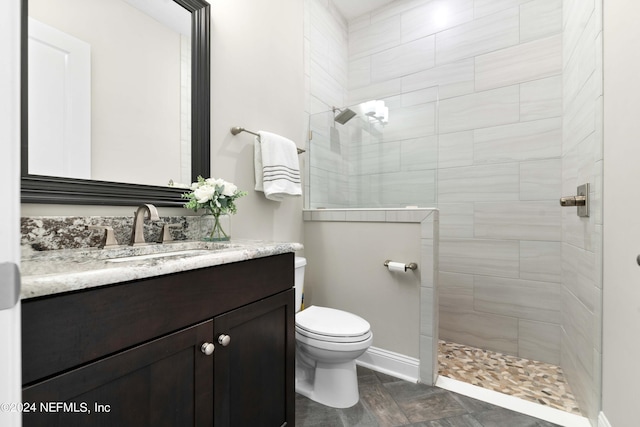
column 206, row 345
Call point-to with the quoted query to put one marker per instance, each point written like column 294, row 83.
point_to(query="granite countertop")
column 52, row 272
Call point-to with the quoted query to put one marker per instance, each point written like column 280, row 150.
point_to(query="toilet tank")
column 300, row 263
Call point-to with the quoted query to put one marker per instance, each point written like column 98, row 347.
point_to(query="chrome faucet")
column 137, row 232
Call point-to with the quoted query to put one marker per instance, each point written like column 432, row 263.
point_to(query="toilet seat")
column 331, row 325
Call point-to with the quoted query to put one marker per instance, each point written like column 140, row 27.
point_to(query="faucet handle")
column 165, row 234
column 108, row 239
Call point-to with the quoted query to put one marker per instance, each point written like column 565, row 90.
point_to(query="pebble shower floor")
column 530, row 380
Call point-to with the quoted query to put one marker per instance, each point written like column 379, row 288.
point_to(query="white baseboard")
column 603, row 421
column 390, row 363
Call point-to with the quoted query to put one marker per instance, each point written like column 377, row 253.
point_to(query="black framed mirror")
column 62, row 190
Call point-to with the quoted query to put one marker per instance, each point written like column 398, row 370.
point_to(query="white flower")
column 204, row 193
column 229, row 189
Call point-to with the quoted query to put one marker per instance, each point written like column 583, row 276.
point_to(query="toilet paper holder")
column 409, row 266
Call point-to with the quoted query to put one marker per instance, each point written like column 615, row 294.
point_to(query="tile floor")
column 387, row 401
column 530, row 380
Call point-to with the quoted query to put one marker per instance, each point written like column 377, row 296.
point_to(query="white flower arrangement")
column 216, row 196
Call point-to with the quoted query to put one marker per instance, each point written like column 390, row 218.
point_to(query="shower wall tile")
column 539, row 139
column 479, row 183
column 479, row 36
column 456, row 219
column 455, row 292
column 539, row 341
column 404, row 59
column 578, row 272
column 378, row 90
column 359, row 73
column 579, row 117
column 523, row 299
column 497, row 333
column 416, row 97
column 578, row 325
column 455, row 149
column 488, row 7
column 479, row 110
column 541, row 261
column 378, row 158
column 541, row 99
column 537, row 220
column 479, row 256
column 435, row 16
column 419, row 154
column 521, row 63
column 453, row 79
column 540, row 19
column 325, row 87
column 541, row 179
column 408, row 188
column 375, row 38
column 580, row 62
column 410, row 122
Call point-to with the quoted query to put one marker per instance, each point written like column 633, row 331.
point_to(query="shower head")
column 344, row 116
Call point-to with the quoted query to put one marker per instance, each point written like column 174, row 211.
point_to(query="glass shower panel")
column 383, row 156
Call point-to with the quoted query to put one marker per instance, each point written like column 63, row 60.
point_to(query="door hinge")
column 9, row 285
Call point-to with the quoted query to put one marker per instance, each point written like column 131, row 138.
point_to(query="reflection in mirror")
column 109, row 90
column 108, row 99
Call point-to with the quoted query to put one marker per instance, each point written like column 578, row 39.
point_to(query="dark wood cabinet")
column 132, row 354
column 254, row 373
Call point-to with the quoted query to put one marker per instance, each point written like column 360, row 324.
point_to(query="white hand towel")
column 276, row 166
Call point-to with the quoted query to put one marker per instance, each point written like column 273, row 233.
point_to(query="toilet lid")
column 331, row 322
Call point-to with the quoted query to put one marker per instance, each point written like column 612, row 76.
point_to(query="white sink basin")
column 191, row 252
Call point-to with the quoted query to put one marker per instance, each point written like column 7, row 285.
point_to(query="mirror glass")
column 115, row 100
column 109, row 90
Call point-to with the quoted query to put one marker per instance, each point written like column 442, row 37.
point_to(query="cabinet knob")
column 207, row 348
column 224, row 340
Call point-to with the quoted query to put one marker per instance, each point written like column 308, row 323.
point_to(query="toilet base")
column 330, row 384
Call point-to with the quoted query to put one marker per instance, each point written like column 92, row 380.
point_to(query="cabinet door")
column 165, row 382
column 254, row 372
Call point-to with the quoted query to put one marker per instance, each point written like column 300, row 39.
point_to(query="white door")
column 621, row 274
column 10, row 366
column 59, row 103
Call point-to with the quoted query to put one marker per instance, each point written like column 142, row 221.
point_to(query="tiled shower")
column 494, row 113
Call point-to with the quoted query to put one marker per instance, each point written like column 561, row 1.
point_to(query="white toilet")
column 328, row 342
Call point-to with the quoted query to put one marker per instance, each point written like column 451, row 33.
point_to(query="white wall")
column 257, row 82
column 621, row 328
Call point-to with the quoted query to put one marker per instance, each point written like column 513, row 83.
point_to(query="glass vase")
column 212, row 228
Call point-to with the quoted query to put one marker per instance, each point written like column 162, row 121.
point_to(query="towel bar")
column 237, row 129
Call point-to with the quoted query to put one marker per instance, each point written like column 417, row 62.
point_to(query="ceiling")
column 353, row 8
